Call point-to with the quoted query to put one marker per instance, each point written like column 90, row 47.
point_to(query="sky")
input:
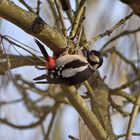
column 70, row 116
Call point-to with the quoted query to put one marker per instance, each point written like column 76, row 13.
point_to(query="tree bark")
column 33, row 24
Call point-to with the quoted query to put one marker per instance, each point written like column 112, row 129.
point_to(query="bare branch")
column 133, row 116
column 78, row 18
column 59, row 9
column 33, row 25
column 88, row 116
column 38, row 7
column 27, row 6
column 124, row 135
column 108, row 32
column 22, row 61
column 22, row 127
column 124, row 33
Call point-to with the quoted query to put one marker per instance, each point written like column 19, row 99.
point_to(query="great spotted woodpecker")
column 69, row 69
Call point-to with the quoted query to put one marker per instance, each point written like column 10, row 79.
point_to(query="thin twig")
column 27, row 6
column 38, row 7
column 70, row 15
column 131, row 98
column 133, row 116
column 15, row 43
column 67, row 8
column 42, row 129
column 59, row 9
column 22, row 61
column 123, row 135
column 55, row 15
column 51, row 122
column 118, row 108
column 22, row 127
column 126, row 32
column 108, row 32
column 10, row 102
column 78, row 19
column 121, row 56
column 128, row 84
column 72, row 137
column 34, row 25
column 89, row 88
column 59, row 97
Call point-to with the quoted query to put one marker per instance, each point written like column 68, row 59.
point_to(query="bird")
column 69, row 69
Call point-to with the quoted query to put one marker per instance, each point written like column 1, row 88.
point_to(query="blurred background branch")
column 111, row 91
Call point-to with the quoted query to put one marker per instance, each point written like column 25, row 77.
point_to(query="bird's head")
column 95, row 59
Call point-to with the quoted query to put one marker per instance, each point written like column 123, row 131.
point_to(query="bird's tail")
column 42, row 49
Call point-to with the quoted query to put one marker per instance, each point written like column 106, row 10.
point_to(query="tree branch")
column 22, row 61
column 88, row 116
column 33, row 25
column 22, row 127
column 133, row 116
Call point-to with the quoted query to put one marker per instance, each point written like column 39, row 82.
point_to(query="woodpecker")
column 69, row 69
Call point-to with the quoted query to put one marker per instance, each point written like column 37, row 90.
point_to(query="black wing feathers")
column 58, row 79
column 75, row 64
column 42, row 49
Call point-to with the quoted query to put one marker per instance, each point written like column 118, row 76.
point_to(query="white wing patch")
column 62, row 60
column 66, row 73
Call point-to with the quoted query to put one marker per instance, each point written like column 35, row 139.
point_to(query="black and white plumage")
column 72, row 69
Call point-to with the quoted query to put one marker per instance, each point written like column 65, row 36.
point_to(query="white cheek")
column 95, row 66
column 73, row 71
column 94, row 58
